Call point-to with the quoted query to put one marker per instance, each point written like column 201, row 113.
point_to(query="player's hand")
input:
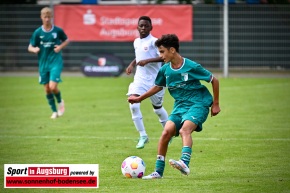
column 57, row 48
column 142, row 63
column 36, row 50
column 129, row 70
column 133, row 99
column 215, row 109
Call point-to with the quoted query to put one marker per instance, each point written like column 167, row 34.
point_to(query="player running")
column 47, row 42
column 147, row 63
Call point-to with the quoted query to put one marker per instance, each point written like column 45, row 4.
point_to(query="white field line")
column 130, row 138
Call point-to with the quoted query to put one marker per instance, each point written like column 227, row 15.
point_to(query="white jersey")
column 145, row 76
column 145, row 48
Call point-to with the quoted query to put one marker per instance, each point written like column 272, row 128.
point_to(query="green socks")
column 51, row 102
column 159, row 167
column 58, row 97
column 185, row 157
column 186, row 154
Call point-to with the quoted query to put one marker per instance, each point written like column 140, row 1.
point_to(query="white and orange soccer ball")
column 133, row 167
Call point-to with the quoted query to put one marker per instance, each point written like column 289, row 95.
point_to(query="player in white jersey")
column 148, row 63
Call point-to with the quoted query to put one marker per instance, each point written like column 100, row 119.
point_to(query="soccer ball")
column 133, row 167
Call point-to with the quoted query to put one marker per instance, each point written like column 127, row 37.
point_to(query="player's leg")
column 158, row 109
column 57, row 94
column 137, row 89
column 161, row 113
column 168, row 132
column 185, row 132
column 44, row 80
column 55, row 79
column 139, row 125
column 193, row 121
column 51, row 101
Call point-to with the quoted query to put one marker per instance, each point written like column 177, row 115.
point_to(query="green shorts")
column 52, row 75
column 196, row 114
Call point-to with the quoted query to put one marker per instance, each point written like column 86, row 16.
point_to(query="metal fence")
column 259, row 38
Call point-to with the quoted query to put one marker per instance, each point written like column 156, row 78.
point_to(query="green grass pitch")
column 246, row 148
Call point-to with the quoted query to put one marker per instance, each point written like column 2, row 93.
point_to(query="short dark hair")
column 168, row 41
column 145, row 18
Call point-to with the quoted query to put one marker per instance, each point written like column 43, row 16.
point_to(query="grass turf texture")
column 243, row 149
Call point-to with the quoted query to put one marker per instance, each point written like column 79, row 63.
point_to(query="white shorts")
column 139, row 89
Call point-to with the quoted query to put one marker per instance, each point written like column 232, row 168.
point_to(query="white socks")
column 137, row 118
column 162, row 114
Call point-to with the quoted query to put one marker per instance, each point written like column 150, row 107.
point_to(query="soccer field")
column 246, row 148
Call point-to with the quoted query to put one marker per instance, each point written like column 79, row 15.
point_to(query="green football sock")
column 58, row 97
column 51, row 102
column 186, row 154
column 159, row 167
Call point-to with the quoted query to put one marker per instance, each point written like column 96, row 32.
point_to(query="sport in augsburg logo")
column 51, row 175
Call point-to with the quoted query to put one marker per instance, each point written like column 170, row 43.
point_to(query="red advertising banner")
column 119, row 23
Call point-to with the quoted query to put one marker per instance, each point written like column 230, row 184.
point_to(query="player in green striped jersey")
column 47, row 42
column 191, row 106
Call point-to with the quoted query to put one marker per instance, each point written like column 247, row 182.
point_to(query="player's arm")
column 33, row 49
column 149, row 60
column 131, row 66
column 215, row 109
column 64, row 44
column 153, row 90
column 58, row 48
